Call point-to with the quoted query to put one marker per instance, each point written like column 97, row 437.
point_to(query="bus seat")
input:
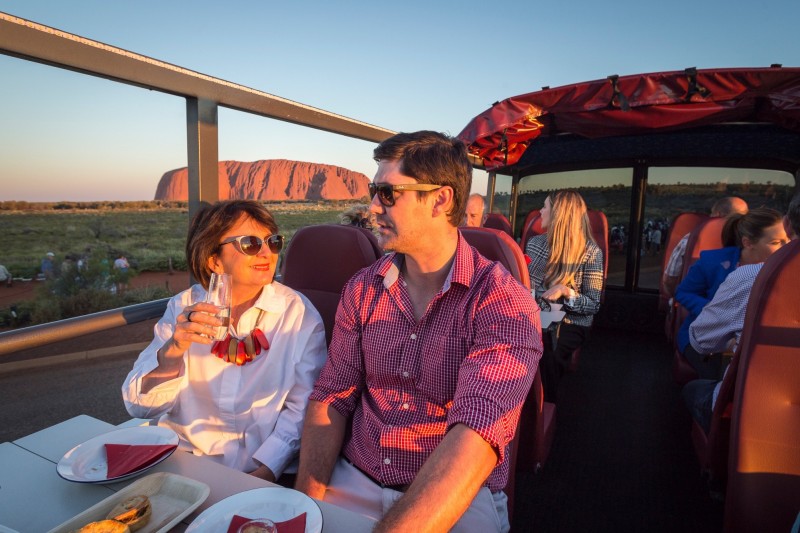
column 536, row 428
column 706, row 236
column 497, row 245
column 531, row 227
column 763, row 492
column 682, row 224
column 320, row 259
column 498, row 221
column 537, row 421
column 712, row 448
column 599, row 226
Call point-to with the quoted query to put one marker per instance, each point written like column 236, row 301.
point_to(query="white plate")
column 86, row 463
column 276, row 503
column 172, row 497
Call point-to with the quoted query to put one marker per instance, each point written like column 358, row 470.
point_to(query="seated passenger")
column 566, row 267
column 720, row 324
column 747, row 237
column 476, row 211
column 674, row 269
column 433, row 353
column 246, row 417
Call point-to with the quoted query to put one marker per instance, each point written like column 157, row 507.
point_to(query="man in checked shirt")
column 433, row 352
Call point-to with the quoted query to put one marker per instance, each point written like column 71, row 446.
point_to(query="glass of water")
column 219, row 294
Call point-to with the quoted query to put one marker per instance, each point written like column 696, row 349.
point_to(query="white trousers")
column 351, row 489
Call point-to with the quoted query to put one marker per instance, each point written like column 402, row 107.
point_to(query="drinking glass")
column 258, row 525
column 219, row 294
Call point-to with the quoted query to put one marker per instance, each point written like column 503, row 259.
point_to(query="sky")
column 404, row 66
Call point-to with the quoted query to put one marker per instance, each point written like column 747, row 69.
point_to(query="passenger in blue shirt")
column 746, row 237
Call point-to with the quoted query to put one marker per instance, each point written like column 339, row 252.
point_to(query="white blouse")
column 234, row 414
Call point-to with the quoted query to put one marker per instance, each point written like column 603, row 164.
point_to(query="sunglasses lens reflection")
column 250, row 245
column 385, row 193
column 275, row 243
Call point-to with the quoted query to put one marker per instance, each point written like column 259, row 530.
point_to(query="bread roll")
column 135, row 512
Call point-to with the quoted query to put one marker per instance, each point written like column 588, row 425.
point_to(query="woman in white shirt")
column 248, row 416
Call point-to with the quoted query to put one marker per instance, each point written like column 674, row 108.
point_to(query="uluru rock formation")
column 272, row 179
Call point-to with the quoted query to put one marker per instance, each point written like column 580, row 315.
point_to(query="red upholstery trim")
column 763, row 491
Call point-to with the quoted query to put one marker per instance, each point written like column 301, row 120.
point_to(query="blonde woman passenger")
column 566, row 267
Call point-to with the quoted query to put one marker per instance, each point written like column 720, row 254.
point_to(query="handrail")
column 29, row 40
column 39, row 335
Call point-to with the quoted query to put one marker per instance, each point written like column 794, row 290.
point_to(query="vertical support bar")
column 490, row 183
column 512, row 209
column 203, row 152
column 638, row 194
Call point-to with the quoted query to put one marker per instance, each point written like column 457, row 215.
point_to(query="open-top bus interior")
column 641, row 150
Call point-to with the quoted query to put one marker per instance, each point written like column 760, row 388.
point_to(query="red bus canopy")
column 628, row 105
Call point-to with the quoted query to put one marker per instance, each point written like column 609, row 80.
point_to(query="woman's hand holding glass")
column 206, row 320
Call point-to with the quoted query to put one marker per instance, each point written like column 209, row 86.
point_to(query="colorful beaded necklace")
column 241, row 351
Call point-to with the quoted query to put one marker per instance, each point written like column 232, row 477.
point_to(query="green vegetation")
column 152, row 235
column 149, row 234
column 77, row 292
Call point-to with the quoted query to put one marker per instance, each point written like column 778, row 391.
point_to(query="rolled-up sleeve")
column 497, row 373
column 160, row 398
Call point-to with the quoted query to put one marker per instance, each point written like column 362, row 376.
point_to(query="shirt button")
column 387, row 461
column 405, row 406
column 413, row 336
column 405, row 374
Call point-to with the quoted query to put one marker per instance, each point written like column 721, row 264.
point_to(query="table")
column 34, row 498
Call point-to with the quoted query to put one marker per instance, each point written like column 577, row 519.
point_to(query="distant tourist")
column 68, row 264
column 5, row 276
column 121, row 267
column 121, row 264
column 48, row 267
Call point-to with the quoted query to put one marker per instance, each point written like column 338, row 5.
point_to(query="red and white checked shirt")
column 470, row 360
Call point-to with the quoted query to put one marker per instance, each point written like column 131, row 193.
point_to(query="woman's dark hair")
column 750, row 225
column 432, row 157
column 209, row 225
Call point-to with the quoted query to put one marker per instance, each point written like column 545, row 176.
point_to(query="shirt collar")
column 270, row 300
column 461, row 271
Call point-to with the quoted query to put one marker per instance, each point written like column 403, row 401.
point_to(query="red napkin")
column 126, row 458
column 293, row 525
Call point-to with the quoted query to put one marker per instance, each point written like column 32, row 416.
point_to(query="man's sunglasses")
column 251, row 245
column 386, row 192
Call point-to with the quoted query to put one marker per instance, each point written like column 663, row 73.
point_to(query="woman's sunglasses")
column 251, row 245
column 386, row 192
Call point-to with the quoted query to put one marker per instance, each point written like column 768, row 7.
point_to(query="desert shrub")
column 74, row 294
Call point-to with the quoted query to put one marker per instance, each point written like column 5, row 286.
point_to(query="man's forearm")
column 445, row 485
column 323, row 434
